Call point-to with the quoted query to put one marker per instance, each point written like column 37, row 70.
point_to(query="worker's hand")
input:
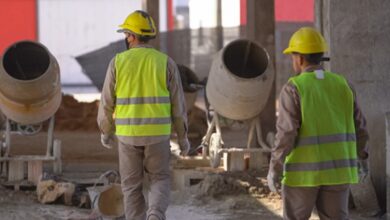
column 363, row 169
column 273, row 181
column 107, row 140
column 184, row 147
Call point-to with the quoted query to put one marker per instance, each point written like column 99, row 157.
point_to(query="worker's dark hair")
column 313, row 58
column 143, row 39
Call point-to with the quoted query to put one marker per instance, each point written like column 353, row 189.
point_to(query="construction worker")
column 143, row 90
column 321, row 135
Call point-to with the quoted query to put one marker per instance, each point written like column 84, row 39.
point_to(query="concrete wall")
column 358, row 32
column 388, row 162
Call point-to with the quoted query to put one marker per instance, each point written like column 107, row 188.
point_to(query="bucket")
column 107, row 200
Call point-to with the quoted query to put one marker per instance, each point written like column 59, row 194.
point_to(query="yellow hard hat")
column 140, row 23
column 306, row 40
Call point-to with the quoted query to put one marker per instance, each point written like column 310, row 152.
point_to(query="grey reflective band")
column 326, row 139
column 333, row 164
column 142, row 138
column 142, row 121
column 143, row 100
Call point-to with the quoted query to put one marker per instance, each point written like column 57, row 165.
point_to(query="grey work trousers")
column 331, row 202
column 134, row 162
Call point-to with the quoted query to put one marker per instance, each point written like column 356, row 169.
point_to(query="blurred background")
column 81, row 32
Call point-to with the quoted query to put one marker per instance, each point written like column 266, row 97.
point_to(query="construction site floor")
column 84, row 159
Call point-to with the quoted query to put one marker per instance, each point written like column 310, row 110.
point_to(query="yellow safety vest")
column 325, row 151
column 143, row 106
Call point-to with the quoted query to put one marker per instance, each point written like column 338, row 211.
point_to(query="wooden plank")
column 191, row 162
column 15, row 170
column 34, row 171
column 234, row 161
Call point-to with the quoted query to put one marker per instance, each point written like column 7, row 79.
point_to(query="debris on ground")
column 233, row 183
column 49, row 191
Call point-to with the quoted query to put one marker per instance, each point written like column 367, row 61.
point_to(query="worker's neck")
column 307, row 67
column 137, row 43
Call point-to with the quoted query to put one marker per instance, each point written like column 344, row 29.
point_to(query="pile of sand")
column 76, row 116
column 232, row 183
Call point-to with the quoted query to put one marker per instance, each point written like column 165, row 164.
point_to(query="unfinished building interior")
column 53, row 165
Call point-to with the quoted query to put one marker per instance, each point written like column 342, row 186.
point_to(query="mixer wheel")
column 214, row 146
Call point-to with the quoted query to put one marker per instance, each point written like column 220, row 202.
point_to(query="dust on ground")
column 222, row 196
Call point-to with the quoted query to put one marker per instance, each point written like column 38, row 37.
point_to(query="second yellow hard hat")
column 306, row 40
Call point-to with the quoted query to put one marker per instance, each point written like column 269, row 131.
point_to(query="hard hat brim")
column 122, row 31
column 287, row 51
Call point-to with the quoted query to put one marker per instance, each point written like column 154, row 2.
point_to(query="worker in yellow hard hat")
column 321, row 135
column 143, row 90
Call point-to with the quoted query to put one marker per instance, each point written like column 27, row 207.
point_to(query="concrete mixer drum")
column 30, row 94
column 237, row 90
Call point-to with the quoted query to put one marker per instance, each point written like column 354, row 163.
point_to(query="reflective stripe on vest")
column 325, row 150
column 143, row 105
column 326, row 139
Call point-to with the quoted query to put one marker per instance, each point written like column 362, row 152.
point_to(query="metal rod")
column 244, row 150
column 49, row 148
column 251, row 132
column 28, row 158
column 7, row 137
column 217, row 126
column 260, row 137
column 206, row 138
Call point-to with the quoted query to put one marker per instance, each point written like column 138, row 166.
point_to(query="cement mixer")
column 238, row 87
column 30, row 94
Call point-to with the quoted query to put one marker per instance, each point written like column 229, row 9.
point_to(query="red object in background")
column 18, row 21
column 243, row 12
column 286, row 11
column 294, row 11
column 170, row 15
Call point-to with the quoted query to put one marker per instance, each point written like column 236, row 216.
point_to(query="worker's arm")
column 107, row 102
column 360, row 128
column 287, row 126
column 178, row 110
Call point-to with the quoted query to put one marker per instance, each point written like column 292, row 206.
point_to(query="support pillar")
column 388, row 162
column 358, row 34
column 219, row 26
column 152, row 7
column 261, row 28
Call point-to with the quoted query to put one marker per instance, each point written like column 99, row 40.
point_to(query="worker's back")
column 325, row 151
column 142, row 96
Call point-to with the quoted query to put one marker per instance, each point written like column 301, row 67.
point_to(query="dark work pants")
column 331, row 202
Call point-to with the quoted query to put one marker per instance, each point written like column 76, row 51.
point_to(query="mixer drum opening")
column 26, row 61
column 245, row 59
